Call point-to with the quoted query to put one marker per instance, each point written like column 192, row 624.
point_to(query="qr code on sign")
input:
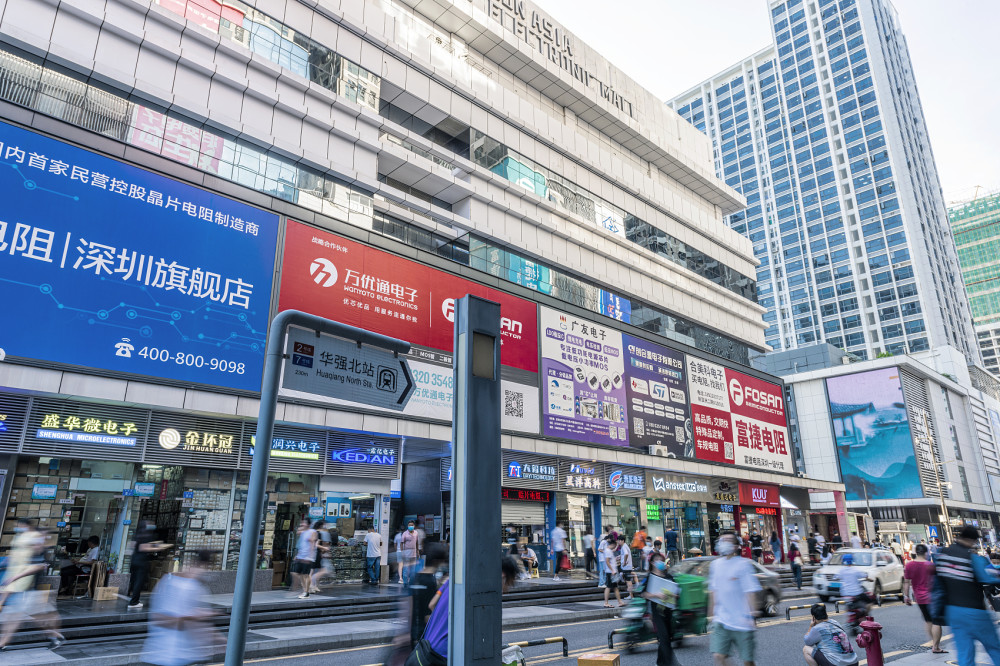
column 639, row 426
column 513, row 404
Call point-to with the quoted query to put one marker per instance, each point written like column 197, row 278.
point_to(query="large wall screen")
column 874, row 446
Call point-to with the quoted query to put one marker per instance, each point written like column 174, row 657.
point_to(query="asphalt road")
column 778, row 642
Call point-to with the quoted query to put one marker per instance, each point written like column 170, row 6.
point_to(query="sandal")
column 939, row 652
column 608, row 606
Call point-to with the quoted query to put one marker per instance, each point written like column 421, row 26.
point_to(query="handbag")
column 797, row 560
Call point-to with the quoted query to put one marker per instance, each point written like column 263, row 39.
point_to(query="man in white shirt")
column 626, row 567
column 897, row 549
column 558, row 548
column 374, row 541
column 732, row 588
column 855, row 540
column 820, row 540
column 589, row 554
column 612, row 569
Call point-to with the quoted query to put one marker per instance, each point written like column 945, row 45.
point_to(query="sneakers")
column 303, row 596
column 56, row 642
column 314, row 590
column 138, row 605
column 556, row 578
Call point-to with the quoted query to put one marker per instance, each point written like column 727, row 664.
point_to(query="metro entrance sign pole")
column 391, row 389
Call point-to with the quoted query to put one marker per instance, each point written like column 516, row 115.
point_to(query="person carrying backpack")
column 826, row 642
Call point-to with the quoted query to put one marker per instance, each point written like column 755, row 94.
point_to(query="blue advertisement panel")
column 873, row 436
column 116, row 268
column 657, row 398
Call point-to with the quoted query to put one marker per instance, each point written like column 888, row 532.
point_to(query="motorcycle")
column 857, row 610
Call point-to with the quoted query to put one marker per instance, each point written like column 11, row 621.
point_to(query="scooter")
column 857, row 610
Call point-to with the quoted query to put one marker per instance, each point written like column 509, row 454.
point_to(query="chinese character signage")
column 657, row 398
column 626, row 481
column 737, row 419
column 583, row 371
column 44, row 491
column 586, row 477
column 531, row 471
column 117, row 268
column 196, row 441
column 293, row 448
column 523, row 495
column 343, row 280
column 86, row 430
column 665, row 485
column 724, row 491
column 759, row 494
column 358, row 456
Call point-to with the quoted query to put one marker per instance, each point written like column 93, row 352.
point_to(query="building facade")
column 182, row 171
column 976, row 227
column 823, row 133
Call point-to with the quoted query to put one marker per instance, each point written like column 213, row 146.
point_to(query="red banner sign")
column 521, row 495
column 340, row 279
column 759, row 494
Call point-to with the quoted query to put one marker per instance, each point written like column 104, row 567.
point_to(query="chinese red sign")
column 737, row 419
column 759, row 494
column 340, row 279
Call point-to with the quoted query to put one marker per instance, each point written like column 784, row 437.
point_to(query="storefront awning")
column 785, row 504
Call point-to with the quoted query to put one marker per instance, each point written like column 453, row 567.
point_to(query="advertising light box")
column 108, row 266
column 334, row 277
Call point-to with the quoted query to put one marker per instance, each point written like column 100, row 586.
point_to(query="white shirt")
column 821, row 540
column 588, row 541
column 558, row 539
column 610, row 561
column 896, row 548
column 850, row 581
column 855, row 541
column 626, row 554
column 731, row 579
column 374, row 541
column 92, row 556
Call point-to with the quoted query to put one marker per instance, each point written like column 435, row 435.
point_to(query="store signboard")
column 130, row 267
column 665, row 485
column 658, row 414
column 531, row 471
column 340, row 279
column 88, row 429
column 293, row 448
column 760, row 494
column 376, row 457
column 196, row 441
column 582, row 476
column 583, row 371
column 625, row 481
column 44, row 491
column 724, row 491
column 737, row 419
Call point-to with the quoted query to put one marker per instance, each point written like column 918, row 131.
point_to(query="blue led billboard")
column 108, row 266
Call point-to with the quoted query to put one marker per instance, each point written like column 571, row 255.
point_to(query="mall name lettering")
column 662, row 485
column 554, row 44
column 92, row 425
column 729, row 498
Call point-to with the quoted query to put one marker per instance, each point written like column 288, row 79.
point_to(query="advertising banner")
column 657, row 398
column 340, row 279
column 116, row 268
column 874, row 446
column 666, row 485
column 737, row 419
column 583, row 370
column 760, row 494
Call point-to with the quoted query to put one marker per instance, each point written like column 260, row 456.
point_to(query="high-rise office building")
column 976, row 226
column 824, row 134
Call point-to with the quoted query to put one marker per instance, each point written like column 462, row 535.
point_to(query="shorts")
column 925, row 610
column 303, row 567
column 723, row 638
column 820, row 658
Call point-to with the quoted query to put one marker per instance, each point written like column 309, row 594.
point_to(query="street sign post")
column 238, row 619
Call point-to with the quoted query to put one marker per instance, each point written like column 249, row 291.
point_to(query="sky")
column 669, row 46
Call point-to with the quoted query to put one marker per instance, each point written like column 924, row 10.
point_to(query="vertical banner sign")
column 657, row 399
column 117, row 268
column 333, row 277
column 738, row 419
column 583, row 370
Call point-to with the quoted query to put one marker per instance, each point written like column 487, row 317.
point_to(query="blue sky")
column 671, row 45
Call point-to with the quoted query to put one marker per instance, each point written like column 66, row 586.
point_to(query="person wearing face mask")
column 732, row 586
column 146, row 545
column 410, row 547
column 661, row 615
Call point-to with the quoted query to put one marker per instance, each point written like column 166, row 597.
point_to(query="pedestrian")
column 374, row 556
column 647, row 550
column 658, row 550
column 589, row 554
column 775, row 547
column 529, row 559
column 962, row 574
column 180, row 628
column 732, row 590
column 626, row 567
column 324, row 555
column 897, row 549
column 145, row 545
column 812, row 547
column 820, row 540
column 756, row 546
column 855, row 540
column 423, row 586
column 639, row 539
column 795, row 558
column 918, row 579
column 613, row 576
column 411, row 548
column 935, row 547
column 908, row 550
column 660, row 614
column 305, row 557
column 398, row 554
column 602, row 571
column 838, row 541
column 670, row 538
column 24, row 563
column 558, row 546
column 827, row 554
column 826, row 642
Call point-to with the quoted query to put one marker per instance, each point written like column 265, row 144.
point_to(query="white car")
column 885, row 573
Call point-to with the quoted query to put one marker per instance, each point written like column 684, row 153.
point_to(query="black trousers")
column 664, row 649
column 67, row 577
column 137, row 581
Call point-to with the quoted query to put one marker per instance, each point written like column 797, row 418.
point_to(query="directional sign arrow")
column 405, row 395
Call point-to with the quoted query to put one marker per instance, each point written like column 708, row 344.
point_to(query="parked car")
column 768, row 599
column 884, row 571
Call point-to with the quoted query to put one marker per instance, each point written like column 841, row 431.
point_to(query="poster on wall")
column 340, row 279
column 656, row 387
column 737, row 419
column 872, row 432
column 583, row 374
column 130, row 271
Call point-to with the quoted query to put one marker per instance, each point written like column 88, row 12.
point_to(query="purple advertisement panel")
column 658, row 414
column 584, row 372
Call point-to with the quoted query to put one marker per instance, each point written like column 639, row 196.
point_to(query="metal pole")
column 240, row 615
